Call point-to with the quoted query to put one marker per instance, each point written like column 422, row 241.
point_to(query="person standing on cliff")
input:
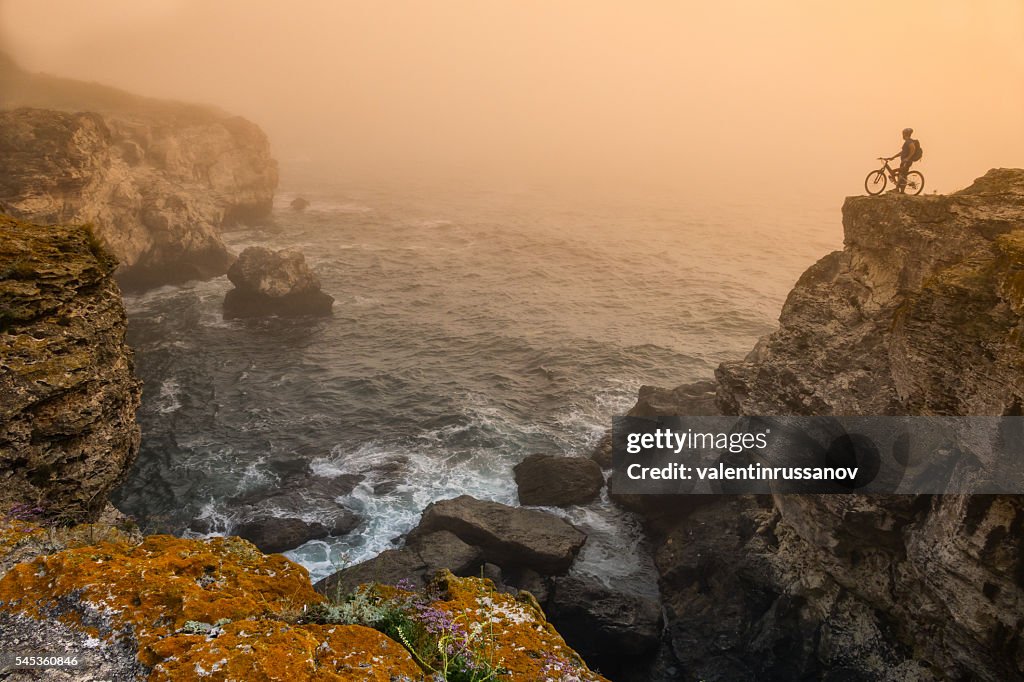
column 908, row 154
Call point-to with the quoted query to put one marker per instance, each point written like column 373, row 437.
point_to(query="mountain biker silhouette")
column 908, row 154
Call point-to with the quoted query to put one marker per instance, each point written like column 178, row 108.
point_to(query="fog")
column 790, row 98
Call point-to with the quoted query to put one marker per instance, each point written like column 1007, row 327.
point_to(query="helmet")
column 908, row 131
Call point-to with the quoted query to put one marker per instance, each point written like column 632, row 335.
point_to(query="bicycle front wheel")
column 874, row 183
column 915, row 183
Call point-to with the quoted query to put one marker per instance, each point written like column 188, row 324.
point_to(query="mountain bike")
column 875, row 182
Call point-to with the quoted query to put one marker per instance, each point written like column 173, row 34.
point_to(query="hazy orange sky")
column 725, row 97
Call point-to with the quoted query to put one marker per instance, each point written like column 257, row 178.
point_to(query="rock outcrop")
column 68, row 393
column 922, row 312
column 274, row 283
column 520, row 548
column 157, row 180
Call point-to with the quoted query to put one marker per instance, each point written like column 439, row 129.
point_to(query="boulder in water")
column 273, row 534
column 274, row 283
column 550, row 480
column 507, row 536
column 602, row 452
column 299, row 204
column 273, row 519
column 416, row 563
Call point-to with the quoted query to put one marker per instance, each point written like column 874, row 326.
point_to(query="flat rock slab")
column 551, row 480
column 507, row 536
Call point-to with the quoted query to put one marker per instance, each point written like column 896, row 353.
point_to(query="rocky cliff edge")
column 922, row 312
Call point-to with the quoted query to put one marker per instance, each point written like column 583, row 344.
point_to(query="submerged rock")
column 276, row 520
column 297, row 493
column 274, row 283
column 68, row 393
column 507, row 536
column 551, row 480
column 299, row 204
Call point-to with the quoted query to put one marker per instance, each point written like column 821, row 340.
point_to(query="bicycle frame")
column 893, row 172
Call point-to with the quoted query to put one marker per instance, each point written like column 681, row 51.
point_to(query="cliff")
column 68, row 394
column 920, row 313
column 157, row 180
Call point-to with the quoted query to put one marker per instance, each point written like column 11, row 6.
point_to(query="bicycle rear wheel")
column 915, row 183
column 874, row 183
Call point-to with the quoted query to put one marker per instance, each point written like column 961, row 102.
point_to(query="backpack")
column 919, row 153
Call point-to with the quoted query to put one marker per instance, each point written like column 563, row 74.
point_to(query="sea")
column 473, row 325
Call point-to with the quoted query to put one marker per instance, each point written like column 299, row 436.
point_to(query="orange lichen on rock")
column 15, row 534
column 257, row 650
column 219, row 609
column 525, row 645
column 22, row 541
column 152, row 589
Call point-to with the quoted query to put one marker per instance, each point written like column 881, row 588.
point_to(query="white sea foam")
column 168, row 400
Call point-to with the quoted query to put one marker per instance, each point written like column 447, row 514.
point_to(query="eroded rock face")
column 68, row 394
column 157, row 181
column 921, row 313
column 274, row 283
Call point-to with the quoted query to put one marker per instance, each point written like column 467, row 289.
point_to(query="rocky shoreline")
column 789, row 586
column 77, row 575
column 920, row 313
